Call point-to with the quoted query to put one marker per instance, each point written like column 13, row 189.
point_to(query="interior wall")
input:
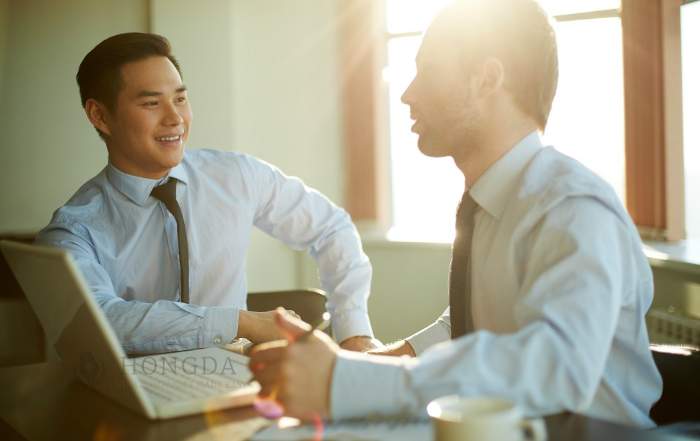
column 286, row 109
column 4, row 10
column 48, row 148
column 409, row 285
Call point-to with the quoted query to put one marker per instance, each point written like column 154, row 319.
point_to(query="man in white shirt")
column 556, row 284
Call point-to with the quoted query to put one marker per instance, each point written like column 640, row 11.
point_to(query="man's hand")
column 397, row 349
column 297, row 374
column 259, row 327
column 361, row 343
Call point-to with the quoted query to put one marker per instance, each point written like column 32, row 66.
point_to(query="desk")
column 43, row 402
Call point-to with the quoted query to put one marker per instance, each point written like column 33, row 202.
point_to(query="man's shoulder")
column 85, row 207
column 552, row 178
column 89, row 198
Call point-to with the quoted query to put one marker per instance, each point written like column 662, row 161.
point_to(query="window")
column 690, row 41
column 586, row 122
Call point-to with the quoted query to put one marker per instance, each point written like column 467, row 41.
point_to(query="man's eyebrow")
column 147, row 93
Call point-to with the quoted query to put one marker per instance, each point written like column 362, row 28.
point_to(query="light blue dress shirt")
column 125, row 243
column 560, row 287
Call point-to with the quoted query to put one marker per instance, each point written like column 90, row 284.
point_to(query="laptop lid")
column 73, row 321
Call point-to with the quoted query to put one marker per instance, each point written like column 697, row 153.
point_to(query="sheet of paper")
column 380, row 430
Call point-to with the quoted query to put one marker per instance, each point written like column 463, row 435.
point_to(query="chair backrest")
column 310, row 304
column 680, row 370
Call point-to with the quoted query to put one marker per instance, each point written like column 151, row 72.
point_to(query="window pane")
column 561, row 7
column 587, row 118
column 690, row 40
column 425, row 191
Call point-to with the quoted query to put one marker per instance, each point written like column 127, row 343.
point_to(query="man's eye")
column 181, row 99
column 150, row 103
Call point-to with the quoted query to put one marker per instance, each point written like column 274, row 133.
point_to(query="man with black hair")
column 161, row 233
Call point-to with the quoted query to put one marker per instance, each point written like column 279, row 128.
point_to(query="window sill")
column 679, row 256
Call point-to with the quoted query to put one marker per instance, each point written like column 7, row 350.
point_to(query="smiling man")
column 161, row 233
column 548, row 282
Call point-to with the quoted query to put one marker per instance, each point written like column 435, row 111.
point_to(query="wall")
column 48, row 148
column 4, row 22
column 409, row 285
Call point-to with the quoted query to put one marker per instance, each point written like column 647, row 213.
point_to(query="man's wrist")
column 396, row 349
column 407, row 348
column 361, row 343
column 243, row 324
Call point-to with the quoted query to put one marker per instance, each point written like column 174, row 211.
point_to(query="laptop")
column 156, row 386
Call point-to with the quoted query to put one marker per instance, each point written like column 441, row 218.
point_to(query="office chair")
column 310, row 304
column 679, row 405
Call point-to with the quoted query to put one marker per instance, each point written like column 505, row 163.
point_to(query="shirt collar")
column 492, row 189
column 138, row 189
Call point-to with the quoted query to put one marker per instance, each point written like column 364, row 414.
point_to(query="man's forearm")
column 165, row 326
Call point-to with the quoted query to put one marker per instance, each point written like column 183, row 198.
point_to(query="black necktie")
column 166, row 194
column 460, row 269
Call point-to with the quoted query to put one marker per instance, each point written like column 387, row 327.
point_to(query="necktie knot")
column 166, row 192
column 465, row 211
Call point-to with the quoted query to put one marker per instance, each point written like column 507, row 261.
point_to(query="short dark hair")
column 520, row 34
column 99, row 74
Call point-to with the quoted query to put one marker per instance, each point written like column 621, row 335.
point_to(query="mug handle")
column 534, row 429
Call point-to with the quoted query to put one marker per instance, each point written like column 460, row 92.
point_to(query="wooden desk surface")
column 43, row 402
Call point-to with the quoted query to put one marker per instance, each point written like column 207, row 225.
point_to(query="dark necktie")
column 166, row 194
column 460, row 269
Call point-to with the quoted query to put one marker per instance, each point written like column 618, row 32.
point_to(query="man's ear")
column 491, row 78
column 97, row 113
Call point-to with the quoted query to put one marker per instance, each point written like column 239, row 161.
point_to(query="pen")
column 268, row 406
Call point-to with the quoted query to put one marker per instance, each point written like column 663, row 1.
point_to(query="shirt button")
column 217, row 340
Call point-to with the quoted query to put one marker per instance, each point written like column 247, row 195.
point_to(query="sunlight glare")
column 411, row 15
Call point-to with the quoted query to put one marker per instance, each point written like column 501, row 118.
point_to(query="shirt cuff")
column 351, row 324
column 429, row 336
column 365, row 385
column 220, row 325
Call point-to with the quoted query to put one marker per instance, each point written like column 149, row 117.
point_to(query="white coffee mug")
column 482, row 419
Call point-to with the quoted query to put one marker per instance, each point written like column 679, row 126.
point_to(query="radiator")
column 668, row 328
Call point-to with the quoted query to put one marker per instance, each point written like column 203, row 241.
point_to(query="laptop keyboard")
column 175, row 377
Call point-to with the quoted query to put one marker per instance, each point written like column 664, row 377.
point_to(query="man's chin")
column 431, row 149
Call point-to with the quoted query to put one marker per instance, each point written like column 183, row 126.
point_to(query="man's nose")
column 172, row 116
column 407, row 96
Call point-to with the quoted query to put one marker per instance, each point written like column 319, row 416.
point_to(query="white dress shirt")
column 125, row 243
column 560, row 287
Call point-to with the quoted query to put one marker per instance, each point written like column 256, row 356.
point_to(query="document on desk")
column 361, row 430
